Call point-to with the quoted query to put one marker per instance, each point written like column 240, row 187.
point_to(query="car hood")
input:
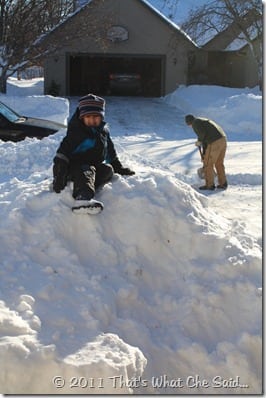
column 32, row 121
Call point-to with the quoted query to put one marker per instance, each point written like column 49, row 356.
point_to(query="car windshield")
column 9, row 113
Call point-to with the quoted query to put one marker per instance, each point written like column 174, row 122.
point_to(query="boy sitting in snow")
column 87, row 155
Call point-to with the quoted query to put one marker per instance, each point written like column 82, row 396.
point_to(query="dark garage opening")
column 91, row 74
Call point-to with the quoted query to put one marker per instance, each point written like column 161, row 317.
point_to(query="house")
column 111, row 36
column 103, row 37
column 227, row 59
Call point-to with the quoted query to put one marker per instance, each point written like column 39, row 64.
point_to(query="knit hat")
column 189, row 119
column 90, row 104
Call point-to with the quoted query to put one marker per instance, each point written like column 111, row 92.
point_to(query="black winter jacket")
column 87, row 145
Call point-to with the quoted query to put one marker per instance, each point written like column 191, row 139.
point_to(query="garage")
column 92, row 73
column 127, row 37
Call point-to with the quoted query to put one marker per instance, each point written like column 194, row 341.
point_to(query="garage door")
column 91, row 73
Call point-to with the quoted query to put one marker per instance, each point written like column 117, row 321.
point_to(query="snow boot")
column 223, row 186
column 206, row 188
column 87, row 207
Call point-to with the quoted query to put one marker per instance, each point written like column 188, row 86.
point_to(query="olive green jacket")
column 207, row 130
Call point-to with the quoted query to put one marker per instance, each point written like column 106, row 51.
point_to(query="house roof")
column 145, row 3
column 168, row 21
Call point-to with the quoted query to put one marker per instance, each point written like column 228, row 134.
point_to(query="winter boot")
column 223, row 186
column 87, row 206
column 206, row 188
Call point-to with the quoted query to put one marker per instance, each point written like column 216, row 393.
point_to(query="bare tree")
column 169, row 8
column 243, row 16
column 24, row 24
column 55, row 12
column 21, row 23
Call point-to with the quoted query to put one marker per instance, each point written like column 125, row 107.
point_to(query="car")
column 125, row 83
column 14, row 127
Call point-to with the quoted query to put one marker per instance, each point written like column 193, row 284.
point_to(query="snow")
column 159, row 293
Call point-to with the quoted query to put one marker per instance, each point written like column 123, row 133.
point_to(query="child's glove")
column 60, row 173
column 125, row 171
column 119, row 169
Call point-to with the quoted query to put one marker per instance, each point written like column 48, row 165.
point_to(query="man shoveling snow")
column 212, row 138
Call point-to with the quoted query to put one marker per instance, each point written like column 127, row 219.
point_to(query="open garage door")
column 91, row 73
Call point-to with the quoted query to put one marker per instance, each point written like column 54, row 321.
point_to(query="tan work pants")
column 214, row 157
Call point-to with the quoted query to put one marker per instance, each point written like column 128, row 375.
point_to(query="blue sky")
column 181, row 7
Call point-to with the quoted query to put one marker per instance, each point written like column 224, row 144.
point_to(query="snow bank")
column 24, row 87
column 45, row 107
column 157, row 268
column 225, row 105
column 30, row 367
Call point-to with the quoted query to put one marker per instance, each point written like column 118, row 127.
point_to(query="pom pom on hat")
column 91, row 104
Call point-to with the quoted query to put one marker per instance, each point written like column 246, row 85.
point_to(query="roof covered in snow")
column 168, row 21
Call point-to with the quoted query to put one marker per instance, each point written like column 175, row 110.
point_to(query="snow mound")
column 28, row 366
column 39, row 106
column 225, row 105
column 156, row 270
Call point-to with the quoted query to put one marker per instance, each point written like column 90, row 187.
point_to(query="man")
column 212, row 138
column 87, row 155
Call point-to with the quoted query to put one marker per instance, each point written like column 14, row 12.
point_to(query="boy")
column 87, row 155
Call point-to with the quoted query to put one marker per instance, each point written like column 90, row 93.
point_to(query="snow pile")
column 226, row 105
column 30, row 367
column 160, row 293
column 37, row 105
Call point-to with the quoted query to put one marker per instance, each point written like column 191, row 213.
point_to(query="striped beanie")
column 90, row 104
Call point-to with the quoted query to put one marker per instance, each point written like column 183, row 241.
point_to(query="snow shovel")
column 200, row 171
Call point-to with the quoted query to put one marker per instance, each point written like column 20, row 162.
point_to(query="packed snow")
column 161, row 292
